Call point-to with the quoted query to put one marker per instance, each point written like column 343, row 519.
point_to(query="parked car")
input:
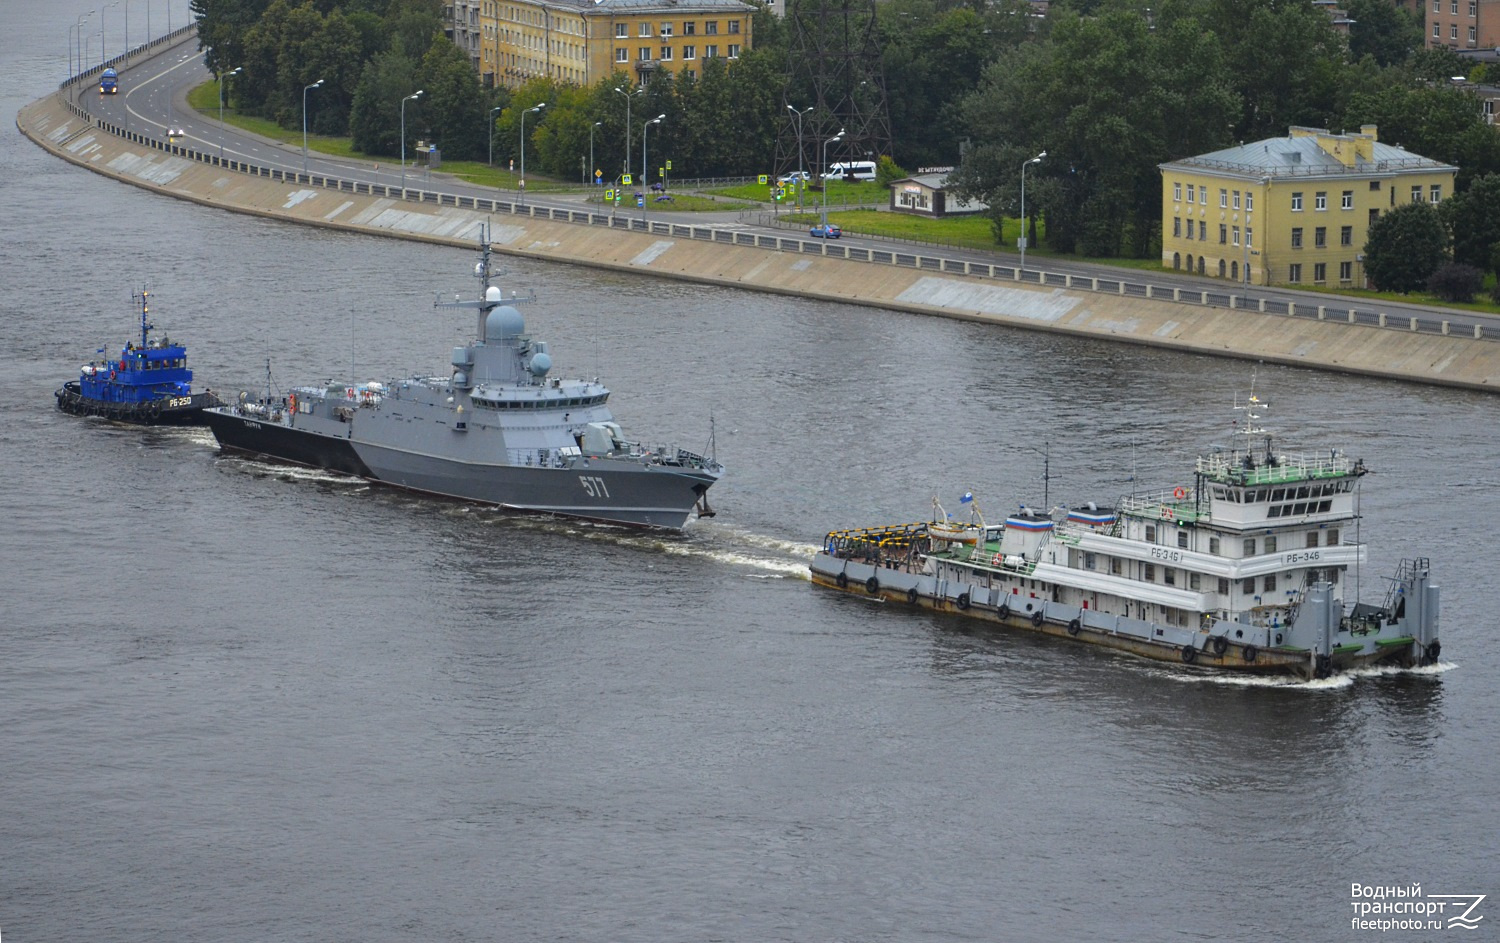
column 825, row 231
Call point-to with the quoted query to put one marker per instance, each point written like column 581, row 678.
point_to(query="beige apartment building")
column 580, row 42
column 1292, row 210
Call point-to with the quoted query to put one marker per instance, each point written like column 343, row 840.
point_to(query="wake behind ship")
column 498, row 430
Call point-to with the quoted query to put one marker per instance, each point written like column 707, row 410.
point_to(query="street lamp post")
column 127, row 26
column 102, row 54
column 493, row 111
column 801, row 182
column 408, row 98
column 627, row 122
column 833, row 140
column 644, row 175
column 305, row 90
column 596, row 124
column 222, row 79
column 521, row 184
column 77, row 45
column 1021, row 240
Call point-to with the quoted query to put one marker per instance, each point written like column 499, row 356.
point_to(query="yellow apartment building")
column 1289, row 211
column 579, row 41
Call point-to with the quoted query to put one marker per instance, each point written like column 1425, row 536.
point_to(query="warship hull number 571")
column 497, row 429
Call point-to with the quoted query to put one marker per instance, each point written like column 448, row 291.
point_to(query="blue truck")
column 109, row 82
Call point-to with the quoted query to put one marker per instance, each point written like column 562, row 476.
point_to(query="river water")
column 243, row 702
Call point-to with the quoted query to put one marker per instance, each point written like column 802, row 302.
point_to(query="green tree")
column 222, row 25
column 455, row 108
column 1405, row 247
column 1386, row 32
column 1099, row 185
column 375, row 115
column 1287, row 61
column 1473, row 217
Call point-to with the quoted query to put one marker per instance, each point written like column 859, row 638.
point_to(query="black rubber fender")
column 1433, row 650
column 1003, row 612
column 1221, row 644
column 843, row 580
column 963, row 600
column 1075, row 627
column 872, row 586
column 1248, row 653
column 1189, row 654
column 1322, row 666
column 911, row 595
column 1036, row 619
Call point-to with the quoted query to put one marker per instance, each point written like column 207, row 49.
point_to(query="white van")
column 858, row 169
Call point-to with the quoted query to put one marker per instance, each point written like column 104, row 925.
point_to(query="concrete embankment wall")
column 1430, row 358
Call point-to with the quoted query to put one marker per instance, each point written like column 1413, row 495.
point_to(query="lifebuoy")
column 1166, row 513
column 1221, row 644
column 1189, row 654
column 963, row 600
column 1003, row 612
column 1179, row 493
column 872, row 586
column 1036, row 618
column 1074, row 627
column 843, row 580
column 1249, row 652
column 911, row 595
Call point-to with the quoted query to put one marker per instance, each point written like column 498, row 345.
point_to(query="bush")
column 1456, row 281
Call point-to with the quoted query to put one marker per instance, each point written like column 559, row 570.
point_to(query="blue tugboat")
column 149, row 383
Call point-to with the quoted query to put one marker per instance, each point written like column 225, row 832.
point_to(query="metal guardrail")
column 911, row 258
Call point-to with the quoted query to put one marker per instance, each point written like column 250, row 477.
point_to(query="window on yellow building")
column 1346, row 236
column 1436, row 193
column 1348, row 200
column 1236, row 199
column 1296, row 237
column 1176, row 193
column 1296, row 202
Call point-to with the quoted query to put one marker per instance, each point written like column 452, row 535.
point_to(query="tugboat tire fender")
column 1221, row 644
column 963, row 600
column 1003, row 612
column 1036, row 618
column 1323, row 666
column 872, row 586
column 1433, row 650
column 1074, row 627
column 911, row 595
column 842, row 579
column 1249, row 652
column 1189, row 654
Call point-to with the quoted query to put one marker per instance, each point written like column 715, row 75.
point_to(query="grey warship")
column 498, row 429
